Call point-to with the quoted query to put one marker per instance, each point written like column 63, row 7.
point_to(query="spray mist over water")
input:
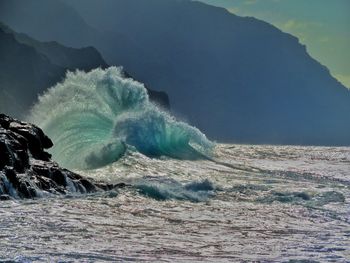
column 94, row 117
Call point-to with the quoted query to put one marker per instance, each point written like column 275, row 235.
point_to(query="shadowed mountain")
column 24, row 74
column 236, row 78
column 86, row 58
column 29, row 67
column 36, row 17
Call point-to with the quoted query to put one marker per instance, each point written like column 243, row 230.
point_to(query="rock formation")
column 26, row 170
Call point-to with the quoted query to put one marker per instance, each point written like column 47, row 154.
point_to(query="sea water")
column 187, row 199
column 293, row 205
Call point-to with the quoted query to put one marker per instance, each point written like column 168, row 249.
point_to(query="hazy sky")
column 323, row 25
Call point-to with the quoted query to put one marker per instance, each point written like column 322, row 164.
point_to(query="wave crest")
column 93, row 117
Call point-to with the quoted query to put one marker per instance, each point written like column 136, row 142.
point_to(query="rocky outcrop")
column 26, row 170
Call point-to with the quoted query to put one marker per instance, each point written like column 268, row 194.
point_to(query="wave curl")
column 93, row 117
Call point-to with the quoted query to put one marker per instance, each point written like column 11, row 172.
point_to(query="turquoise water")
column 94, row 117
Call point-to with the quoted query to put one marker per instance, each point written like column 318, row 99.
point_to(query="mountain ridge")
column 42, row 64
column 238, row 79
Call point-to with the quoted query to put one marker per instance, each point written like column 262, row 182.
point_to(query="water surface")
column 268, row 203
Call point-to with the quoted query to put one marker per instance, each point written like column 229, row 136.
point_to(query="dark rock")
column 5, row 197
column 26, row 170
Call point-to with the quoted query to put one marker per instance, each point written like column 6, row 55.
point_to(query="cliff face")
column 236, row 78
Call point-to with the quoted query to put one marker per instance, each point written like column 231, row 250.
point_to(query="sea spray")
column 93, row 117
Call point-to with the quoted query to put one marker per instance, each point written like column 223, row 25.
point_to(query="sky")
column 322, row 25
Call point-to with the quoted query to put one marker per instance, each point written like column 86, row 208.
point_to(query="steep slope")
column 29, row 67
column 24, row 74
column 85, row 58
column 36, row 17
column 238, row 79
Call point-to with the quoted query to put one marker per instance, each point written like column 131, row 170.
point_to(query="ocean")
column 187, row 199
column 247, row 203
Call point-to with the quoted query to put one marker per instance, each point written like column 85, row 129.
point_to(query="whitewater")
column 187, row 199
column 94, row 117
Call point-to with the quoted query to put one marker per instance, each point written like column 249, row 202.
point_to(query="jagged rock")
column 26, row 170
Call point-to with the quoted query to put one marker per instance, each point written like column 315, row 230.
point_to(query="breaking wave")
column 94, row 117
column 163, row 189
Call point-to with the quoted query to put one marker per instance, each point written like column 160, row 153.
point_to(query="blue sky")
column 322, row 25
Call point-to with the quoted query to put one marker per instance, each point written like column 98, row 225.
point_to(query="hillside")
column 29, row 67
column 238, row 79
column 24, row 74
